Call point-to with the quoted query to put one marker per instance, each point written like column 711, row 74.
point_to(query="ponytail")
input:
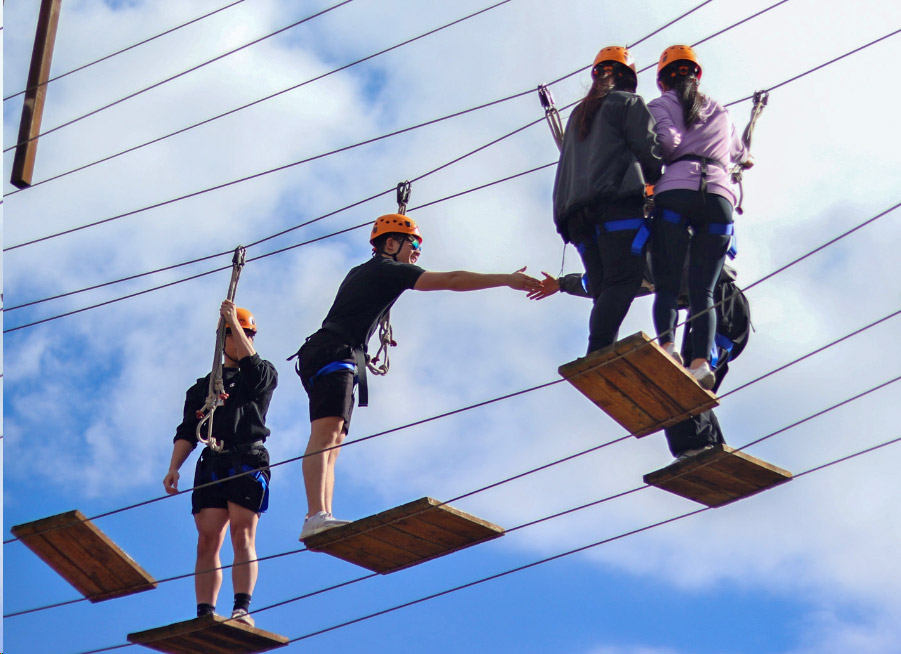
column 622, row 78
column 684, row 81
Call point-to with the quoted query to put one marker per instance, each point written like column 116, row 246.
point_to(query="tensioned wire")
column 779, row 270
column 631, row 491
column 308, row 159
column 346, row 66
column 352, row 205
column 685, row 414
column 529, row 472
column 194, row 69
column 745, row 385
column 126, row 49
column 258, row 101
column 521, row 568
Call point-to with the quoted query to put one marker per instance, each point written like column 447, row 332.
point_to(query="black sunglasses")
column 247, row 332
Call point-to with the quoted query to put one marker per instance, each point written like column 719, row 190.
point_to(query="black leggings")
column 614, row 274
column 706, row 254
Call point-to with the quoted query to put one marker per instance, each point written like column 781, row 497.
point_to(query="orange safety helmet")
column 615, row 53
column 678, row 53
column 394, row 223
column 246, row 319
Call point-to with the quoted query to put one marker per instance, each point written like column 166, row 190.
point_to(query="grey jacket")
column 612, row 164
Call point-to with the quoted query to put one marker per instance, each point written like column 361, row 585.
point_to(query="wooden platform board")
column 84, row 556
column 404, row 536
column 718, row 476
column 639, row 385
column 211, row 634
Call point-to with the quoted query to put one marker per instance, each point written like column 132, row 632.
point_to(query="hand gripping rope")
column 760, row 100
column 216, row 394
column 386, row 334
column 551, row 114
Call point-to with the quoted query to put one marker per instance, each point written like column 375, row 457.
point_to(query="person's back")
column 712, row 136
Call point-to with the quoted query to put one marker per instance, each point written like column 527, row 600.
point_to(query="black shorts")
column 250, row 491
column 331, row 395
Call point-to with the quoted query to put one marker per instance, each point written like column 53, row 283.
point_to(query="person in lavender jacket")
column 699, row 142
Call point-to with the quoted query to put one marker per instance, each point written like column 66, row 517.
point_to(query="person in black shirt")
column 240, row 425
column 332, row 360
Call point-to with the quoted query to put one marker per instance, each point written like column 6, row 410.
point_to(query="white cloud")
column 96, row 396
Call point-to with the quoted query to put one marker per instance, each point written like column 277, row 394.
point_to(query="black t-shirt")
column 367, row 292
column 242, row 419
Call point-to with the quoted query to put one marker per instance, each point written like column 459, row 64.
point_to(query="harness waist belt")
column 640, row 224
column 239, row 448
column 701, row 160
column 359, row 359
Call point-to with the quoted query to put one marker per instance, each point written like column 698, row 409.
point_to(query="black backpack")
column 733, row 312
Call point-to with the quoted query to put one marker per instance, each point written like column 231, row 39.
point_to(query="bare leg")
column 319, row 465
column 211, row 524
column 243, row 524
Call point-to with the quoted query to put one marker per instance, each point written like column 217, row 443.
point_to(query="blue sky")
column 91, row 400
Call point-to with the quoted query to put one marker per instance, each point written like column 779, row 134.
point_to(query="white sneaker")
column 704, row 376
column 320, row 522
column 240, row 615
column 670, row 349
column 687, row 454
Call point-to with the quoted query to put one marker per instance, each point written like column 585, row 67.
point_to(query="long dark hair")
column 620, row 79
column 681, row 77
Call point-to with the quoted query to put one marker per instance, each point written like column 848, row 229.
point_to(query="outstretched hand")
column 519, row 281
column 549, row 286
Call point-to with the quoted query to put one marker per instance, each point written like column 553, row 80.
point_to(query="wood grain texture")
column 718, row 476
column 639, row 385
column 404, row 536
column 211, row 634
column 84, row 556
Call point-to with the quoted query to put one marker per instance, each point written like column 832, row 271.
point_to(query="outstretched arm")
column 462, row 280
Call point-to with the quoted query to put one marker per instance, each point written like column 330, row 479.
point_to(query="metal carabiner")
column 551, row 115
column 403, row 196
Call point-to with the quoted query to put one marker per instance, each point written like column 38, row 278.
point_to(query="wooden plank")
column 718, row 476
column 35, row 94
column 403, row 536
column 211, row 634
column 84, row 556
column 638, row 385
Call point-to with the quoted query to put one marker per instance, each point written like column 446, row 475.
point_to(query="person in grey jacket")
column 609, row 154
column 699, row 142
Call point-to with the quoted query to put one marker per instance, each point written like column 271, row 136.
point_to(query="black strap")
column 359, row 359
column 704, row 161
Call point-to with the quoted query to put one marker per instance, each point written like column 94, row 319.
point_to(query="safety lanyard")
column 216, row 394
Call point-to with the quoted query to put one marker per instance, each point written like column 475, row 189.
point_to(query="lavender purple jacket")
column 714, row 136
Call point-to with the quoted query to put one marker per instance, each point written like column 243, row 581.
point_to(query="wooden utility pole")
column 35, row 93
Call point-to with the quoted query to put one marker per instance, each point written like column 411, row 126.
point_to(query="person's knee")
column 326, row 432
column 243, row 538
column 207, row 543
